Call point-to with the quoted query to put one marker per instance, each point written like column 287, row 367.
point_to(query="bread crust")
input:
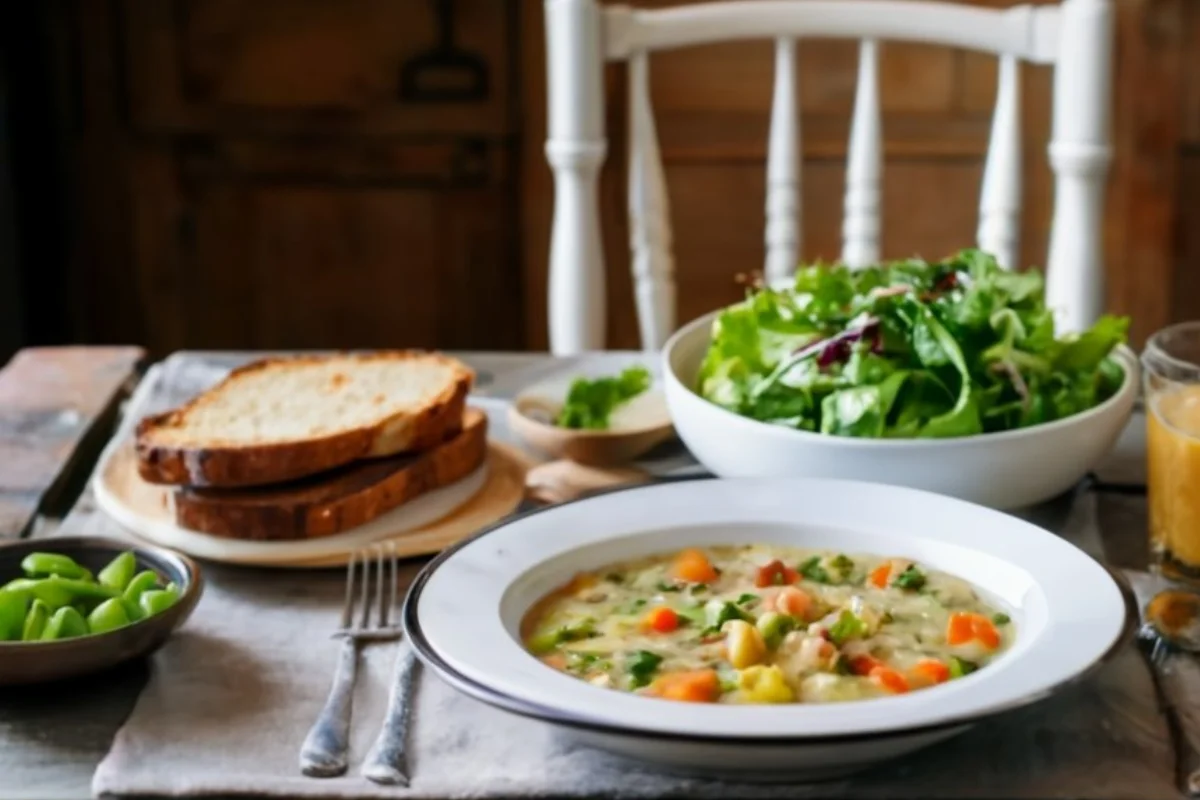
column 279, row 462
column 329, row 504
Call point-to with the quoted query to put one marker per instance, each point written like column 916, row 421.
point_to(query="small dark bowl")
column 37, row 662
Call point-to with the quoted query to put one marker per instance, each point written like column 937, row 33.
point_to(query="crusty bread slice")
column 285, row 418
column 337, row 501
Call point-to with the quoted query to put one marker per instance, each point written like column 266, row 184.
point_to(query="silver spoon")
column 1172, row 627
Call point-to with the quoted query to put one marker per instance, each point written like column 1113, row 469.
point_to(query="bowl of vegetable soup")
column 764, row 628
column 946, row 376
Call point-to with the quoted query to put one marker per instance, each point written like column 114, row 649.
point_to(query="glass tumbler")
column 1171, row 383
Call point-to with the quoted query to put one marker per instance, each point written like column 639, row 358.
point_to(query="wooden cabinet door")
column 323, row 65
column 250, row 244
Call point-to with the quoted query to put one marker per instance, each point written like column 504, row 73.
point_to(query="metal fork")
column 324, row 752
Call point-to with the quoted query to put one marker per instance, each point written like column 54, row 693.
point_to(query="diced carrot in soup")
column 930, row 670
column 794, row 602
column 775, row 574
column 960, row 629
column 693, row 566
column 556, row 660
column 985, row 631
column 879, row 576
column 700, row 686
column 661, row 619
column 889, row 679
column 864, row 665
column 964, row 627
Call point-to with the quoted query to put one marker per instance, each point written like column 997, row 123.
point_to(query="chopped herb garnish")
column 1001, row 619
column 718, row 612
column 848, row 626
column 886, row 618
column 699, row 588
column 663, row 586
column 590, row 403
column 911, row 578
column 813, row 570
column 580, row 661
column 773, row 627
column 747, row 600
column 641, row 668
column 545, row 642
column 632, row 607
column 615, row 577
column 694, row 615
column 727, row 676
column 842, row 666
column 960, row 667
column 842, row 563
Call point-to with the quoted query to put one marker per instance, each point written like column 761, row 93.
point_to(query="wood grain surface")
column 50, row 400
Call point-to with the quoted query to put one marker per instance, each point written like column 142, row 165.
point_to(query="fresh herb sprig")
column 590, row 403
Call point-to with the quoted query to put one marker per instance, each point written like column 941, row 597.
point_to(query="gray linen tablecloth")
column 232, row 694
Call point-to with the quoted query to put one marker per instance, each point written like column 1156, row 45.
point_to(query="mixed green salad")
column 907, row 349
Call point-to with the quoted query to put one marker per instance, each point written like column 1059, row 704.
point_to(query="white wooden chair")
column 1074, row 36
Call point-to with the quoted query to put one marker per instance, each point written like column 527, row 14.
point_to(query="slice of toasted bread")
column 285, row 418
column 337, row 501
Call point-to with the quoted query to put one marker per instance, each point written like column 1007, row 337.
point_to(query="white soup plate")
column 464, row 611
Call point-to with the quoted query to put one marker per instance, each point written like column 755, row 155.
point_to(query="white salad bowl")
column 1004, row 470
column 1069, row 615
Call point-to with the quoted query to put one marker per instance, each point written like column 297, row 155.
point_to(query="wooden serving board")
column 425, row 526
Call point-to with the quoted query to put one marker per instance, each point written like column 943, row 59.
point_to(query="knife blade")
column 1177, row 682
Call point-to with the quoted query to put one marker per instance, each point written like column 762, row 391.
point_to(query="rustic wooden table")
column 58, row 406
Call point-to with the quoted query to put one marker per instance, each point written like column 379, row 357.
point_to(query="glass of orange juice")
column 1171, row 379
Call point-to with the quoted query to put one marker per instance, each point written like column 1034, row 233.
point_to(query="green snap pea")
column 109, row 615
column 59, row 592
column 67, row 623
column 119, row 572
column 44, row 565
column 35, row 621
column 59, row 598
column 157, row 601
column 132, row 609
column 45, row 589
column 13, row 607
column 142, row 582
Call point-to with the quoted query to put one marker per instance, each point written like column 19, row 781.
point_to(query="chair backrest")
column 1074, row 37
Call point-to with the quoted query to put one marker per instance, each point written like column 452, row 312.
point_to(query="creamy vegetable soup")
column 766, row 624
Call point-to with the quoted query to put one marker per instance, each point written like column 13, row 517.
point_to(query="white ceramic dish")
column 1002, row 470
column 1069, row 614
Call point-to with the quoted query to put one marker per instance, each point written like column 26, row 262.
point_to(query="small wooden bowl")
column 38, row 662
column 531, row 418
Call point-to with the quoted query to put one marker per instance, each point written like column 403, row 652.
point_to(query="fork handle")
column 387, row 763
column 323, row 754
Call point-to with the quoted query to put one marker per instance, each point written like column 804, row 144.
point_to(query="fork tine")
column 348, row 602
column 380, row 586
column 366, row 590
column 395, row 583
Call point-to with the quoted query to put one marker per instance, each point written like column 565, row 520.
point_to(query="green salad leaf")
column 590, row 403
column 907, row 349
